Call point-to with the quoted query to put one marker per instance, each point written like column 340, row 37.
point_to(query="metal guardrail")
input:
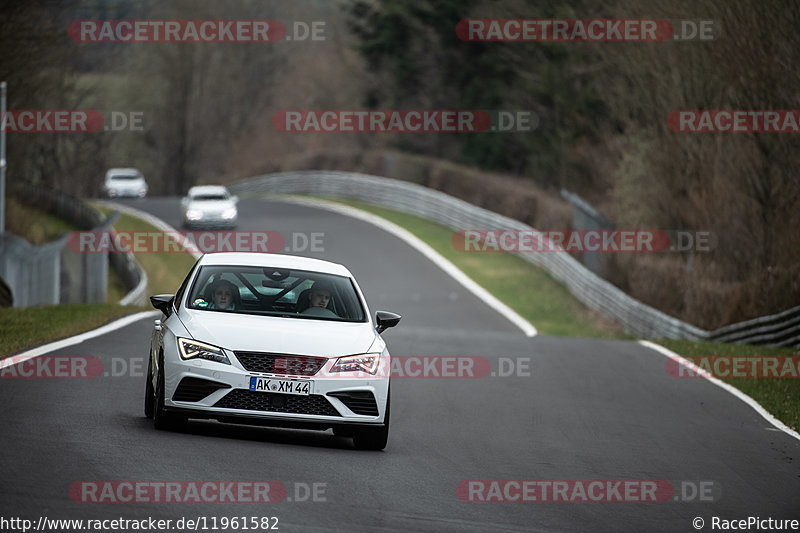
column 596, row 293
column 93, row 268
column 33, row 273
column 782, row 329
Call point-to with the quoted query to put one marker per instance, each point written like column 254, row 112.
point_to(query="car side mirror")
column 235, row 199
column 163, row 302
column 386, row 320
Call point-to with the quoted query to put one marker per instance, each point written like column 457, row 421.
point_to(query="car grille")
column 360, row 402
column 195, row 389
column 275, row 363
column 313, row 404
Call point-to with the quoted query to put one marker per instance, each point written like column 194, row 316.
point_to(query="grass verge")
column 544, row 302
column 34, row 326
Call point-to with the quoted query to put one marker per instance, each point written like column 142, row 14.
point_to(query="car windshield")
column 209, row 196
column 125, row 177
column 276, row 292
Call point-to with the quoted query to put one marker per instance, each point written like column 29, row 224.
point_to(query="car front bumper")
column 211, row 223
column 205, row 389
column 126, row 193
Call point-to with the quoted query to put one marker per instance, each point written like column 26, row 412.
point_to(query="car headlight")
column 194, row 214
column 229, row 213
column 190, row 349
column 357, row 363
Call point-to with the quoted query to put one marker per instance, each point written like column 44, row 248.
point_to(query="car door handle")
column 157, row 325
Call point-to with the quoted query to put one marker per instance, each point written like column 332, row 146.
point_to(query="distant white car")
column 124, row 182
column 209, row 206
column 274, row 340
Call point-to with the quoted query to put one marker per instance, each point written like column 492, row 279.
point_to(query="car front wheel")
column 149, row 391
column 163, row 419
column 373, row 439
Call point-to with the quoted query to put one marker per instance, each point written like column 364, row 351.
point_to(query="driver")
column 320, row 296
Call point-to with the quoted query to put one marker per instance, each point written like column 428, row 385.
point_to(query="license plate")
column 281, row 386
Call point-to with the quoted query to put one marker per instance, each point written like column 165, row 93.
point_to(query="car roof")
column 207, row 189
column 274, row 260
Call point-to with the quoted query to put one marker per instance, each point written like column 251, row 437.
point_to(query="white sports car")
column 209, row 206
column 271, row 339
column 122, row 182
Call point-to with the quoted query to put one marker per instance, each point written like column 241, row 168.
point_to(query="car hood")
column 241, row 332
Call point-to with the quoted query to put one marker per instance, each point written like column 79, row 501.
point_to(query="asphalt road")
column 586, row 410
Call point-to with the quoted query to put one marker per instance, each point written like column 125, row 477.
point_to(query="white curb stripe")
column 77, row 339
column 719, row 383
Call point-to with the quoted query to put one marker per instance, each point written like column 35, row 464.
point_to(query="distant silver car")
column 122, row 182
column 209, row 206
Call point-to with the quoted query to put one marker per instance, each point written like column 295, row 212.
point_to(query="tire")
column 149, row 391
column 163, row 419
column 374, row 439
